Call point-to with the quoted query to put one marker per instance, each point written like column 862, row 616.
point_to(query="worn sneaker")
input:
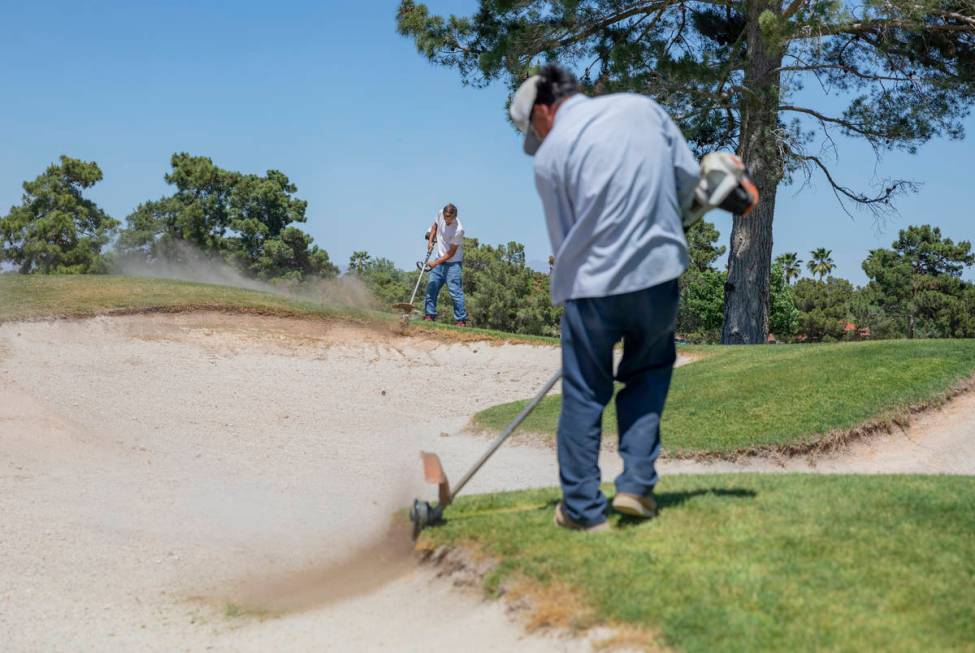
column 561, row 519
column 460, row 323
column 428, row 318
column 635, row 505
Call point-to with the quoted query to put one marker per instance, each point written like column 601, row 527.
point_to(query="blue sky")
column 375, row 137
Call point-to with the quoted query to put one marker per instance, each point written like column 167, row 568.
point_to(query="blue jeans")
column 645, row 320
column 449, row 273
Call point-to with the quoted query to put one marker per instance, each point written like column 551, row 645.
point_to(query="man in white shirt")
column 446, row 267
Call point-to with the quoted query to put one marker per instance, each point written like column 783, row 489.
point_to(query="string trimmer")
column 408, row 307
column 423, row 514
column 724, row 183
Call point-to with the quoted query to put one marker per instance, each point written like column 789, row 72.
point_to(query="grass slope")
column 40, row 296
column 26, row 297
column 746, row 397
column 757, row 562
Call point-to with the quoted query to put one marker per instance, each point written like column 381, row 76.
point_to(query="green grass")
column 24, row 297
column 472, row 333
column 738, row 398
column 751, row 562
column 40, row 296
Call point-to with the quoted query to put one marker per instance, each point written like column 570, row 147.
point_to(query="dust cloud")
column 322, row 578
column 373, row 563
column 191, row 264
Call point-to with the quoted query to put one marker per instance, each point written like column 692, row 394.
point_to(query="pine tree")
column 56, row 229
column 729, row 73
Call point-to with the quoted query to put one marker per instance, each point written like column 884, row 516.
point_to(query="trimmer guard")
column 434, row 474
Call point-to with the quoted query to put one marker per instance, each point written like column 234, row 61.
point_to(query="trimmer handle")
column 422, row 265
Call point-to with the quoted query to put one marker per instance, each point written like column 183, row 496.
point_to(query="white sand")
column 146, row 461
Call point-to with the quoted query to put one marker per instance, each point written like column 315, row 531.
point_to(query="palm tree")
column 358, row 261
column 791, row 266
column 821, row 262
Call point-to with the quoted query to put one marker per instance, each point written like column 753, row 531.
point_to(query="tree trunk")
column 746, row 299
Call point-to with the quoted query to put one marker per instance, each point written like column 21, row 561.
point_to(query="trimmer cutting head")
column 423, row 514
column 406, row 307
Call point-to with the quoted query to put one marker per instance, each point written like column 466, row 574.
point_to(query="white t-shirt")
column 448, row 235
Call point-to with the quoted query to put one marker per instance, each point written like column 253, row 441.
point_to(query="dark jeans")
column 448, row 273
column 645, row 321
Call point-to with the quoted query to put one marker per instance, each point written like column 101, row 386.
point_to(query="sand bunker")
column 208, row 481
column 193, row 481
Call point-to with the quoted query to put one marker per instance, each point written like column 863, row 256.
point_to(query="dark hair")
column 556, row 84
column 450, row 209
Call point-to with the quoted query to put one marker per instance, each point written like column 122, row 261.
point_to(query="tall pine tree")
column 729, row 72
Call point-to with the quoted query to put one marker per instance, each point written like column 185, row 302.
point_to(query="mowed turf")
column 41, row 296
column 739, row 398
column 750, row 562
column 26, row 297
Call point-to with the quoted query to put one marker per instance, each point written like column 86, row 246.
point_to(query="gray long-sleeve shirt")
column 613, row 174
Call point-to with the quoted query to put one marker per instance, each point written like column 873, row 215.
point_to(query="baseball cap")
column 521, row 110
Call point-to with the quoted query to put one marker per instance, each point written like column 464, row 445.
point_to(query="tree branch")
column 892, row 187
column 793, row 8
column 846, row 124
column 959, row 17
column 879, row 25
column 656, row 19
column 645, row 8
column 845, row 68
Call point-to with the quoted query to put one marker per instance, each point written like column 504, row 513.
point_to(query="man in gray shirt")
column 615, row 176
